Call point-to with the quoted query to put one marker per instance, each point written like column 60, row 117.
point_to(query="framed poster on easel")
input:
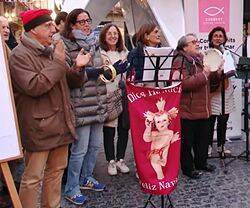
column 10, row 145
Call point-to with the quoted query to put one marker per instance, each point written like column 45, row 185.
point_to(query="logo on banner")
column 155, row 130
column 213, row 13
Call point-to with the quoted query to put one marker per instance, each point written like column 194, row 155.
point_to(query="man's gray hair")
column 182, row 42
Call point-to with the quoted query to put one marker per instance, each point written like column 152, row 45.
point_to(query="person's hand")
column 207, row 70
column 107, row 74
column 55, row 38
column 220, row 69
column 82, row 59
column 59, row 51
column 121, row 66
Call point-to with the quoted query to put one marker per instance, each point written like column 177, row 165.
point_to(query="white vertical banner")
column 9, row 141
column 201, row 16
column 161, row 10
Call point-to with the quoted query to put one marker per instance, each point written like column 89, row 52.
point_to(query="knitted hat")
column 35, row 17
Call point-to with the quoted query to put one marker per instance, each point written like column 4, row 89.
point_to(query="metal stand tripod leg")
column 149, row 202
column 222, row 159
column 246, row 123
column 162, row 202
column 222, row 154
column 170, row 202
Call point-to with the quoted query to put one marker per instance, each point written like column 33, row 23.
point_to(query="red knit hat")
column 35, row 17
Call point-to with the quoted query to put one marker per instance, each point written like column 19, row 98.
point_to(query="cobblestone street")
column 231, row 190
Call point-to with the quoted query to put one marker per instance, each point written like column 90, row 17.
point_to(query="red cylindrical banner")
column 155, row 130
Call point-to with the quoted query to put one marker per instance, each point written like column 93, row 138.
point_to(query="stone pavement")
column 231, row 190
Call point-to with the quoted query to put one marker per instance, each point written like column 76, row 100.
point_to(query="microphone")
column 222, row 48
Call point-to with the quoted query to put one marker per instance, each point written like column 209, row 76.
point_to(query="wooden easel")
column 4, row 166
column 11, row 185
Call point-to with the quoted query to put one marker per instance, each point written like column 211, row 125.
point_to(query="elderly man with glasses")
column 195, row 105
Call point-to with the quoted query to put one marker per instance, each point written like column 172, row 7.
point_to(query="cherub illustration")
column 161, row 137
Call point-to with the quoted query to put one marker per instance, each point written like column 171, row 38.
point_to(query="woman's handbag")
column 124, row 115
column 114, row 103
column 114, row 100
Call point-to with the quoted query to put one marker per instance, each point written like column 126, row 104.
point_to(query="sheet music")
column 165, row 63
column 229, row 62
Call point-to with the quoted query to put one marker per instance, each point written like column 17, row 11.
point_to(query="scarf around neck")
column 87, row 42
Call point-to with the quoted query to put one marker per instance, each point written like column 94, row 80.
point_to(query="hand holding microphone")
column 56, row 38
column 59, row 51
column 58, row 47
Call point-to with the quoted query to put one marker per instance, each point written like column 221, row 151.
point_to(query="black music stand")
column 157, row 63
column 222, row 154
column 156, row 66
column 243, row 72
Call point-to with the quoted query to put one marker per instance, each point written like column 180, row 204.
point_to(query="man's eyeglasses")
column 83, row 22
column 193, row 41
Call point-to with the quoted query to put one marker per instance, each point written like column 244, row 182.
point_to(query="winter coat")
column 216, row 97
column 195, row 99
column 89, row 100
column 136, row 60
column 45, row 115
column 216, row 101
